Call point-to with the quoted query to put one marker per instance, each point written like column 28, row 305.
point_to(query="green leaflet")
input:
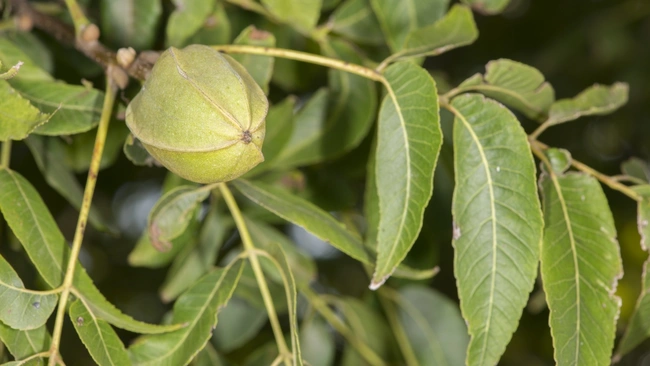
column 259, row 67
column 408, row 144
column 49, row 157
column 398, row 18
column 24, row 343
column 19, row 116
column 317, row 342
column 595, row 100
column 11, row 54
column 497, row 223
column 130, row 23
column 97, row 335
column 21, row 308
column 35, row 228
column 302, row 14
column 73, row 108
column 517, row 85
column 197, row 309
column 433, row 326
column 355, row 20
column 581, row 265
column 455, row 29
column 638, row 328
column 186, row 20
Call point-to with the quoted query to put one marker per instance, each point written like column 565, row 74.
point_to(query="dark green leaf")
column 21, row 308
column 208, row 356
column 74, row 108
column 197, row 309
column 497, row 223
column 49, row 157
column 279, row 128
column 517, row 85
column 456, row 29
column 302, row 14
column 215, row 29
column 317, row 342
column 408, row 144
column 581, row 265
column 19, row 116
column 355, row 20
column 187, row 269
column 488, row 6
column 35, row 228
column 433, row 326
column 260, row 67
column 239, row 323
column 308, row 129
column 304, row 214
column 638, row 328
column 136, row 153
column 35, row 49
column 188, row 17
column 79, row 150
column 365, row 323
column 24, row 343
column 172, row 214
column 97, row 335
column 400, row 17
column 636, row 168
column 130, row 23
column 595, row 100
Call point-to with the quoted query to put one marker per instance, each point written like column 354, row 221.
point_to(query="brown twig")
column 93, row 49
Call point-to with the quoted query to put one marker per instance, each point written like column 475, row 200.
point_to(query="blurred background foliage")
column 573, row 43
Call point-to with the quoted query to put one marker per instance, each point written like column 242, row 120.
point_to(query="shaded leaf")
column 130, row 23
column 100, row 339
column 560, row 159
column 455, row 29
column 21, row 308
column 188, row 17
column 279, row 128
column 74, row 108
column 215, row 29
column 268, row 238
column 398, row 18
column 595, row 100
column 517, row 85
column 172, row 214
column 638, row 328
column 197, row 309
column 317, row 342
column 79, row 149
column 488, row 6
column 208, row 356
column 497, row 223
column 433, row 325
column 408, row 144
column 35, row 228
column 144, row 254
column 366, row 324
column 304, row 214
column 308, row 128
column 239, row 323
column 24, row 343
column 11, row 54
column 19, row 116
column 49, row 157
column 636, row 168
column 136, row 153
column 37, row 52
column 302, row 14
column 187, row 269
column 581, row 265
column 355, row 20
column 259, row 67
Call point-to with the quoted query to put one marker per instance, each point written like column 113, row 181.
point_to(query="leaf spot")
column 582, row 197
column 80, row 321
column 498, row 169
column 456, row 231
column 36, row 305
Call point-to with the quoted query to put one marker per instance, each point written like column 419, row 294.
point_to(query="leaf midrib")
column 494, row 229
